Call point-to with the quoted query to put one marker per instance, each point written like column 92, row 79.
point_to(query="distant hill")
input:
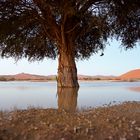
column 33, row 77
column 133, row 74
column 129, row 76
column 26, row 77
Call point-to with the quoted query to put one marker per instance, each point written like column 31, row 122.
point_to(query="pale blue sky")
column 114, row 62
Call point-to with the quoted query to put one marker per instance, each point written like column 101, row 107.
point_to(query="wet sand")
column 117, row 122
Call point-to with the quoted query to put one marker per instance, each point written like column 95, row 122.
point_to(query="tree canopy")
column 36, row 29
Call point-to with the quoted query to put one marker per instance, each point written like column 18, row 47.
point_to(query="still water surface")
column 44, row 94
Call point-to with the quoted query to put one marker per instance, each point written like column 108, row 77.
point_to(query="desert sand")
column 117, row 122
column 134, row 74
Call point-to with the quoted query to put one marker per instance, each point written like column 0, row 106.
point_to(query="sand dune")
column 134, row 74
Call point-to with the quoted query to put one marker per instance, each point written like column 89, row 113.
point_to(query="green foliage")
column 36, row 29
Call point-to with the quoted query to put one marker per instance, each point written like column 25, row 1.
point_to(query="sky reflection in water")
column 45, row 94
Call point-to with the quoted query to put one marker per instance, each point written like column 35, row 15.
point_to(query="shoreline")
column 119, row 122
column 105, row 80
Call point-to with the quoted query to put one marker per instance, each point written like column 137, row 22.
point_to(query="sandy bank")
column 118, row 122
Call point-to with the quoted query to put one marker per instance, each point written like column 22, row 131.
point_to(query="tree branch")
column 48, row 16
column 72, row 28
column 87, row 5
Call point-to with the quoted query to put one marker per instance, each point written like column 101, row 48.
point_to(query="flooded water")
column 45, row 94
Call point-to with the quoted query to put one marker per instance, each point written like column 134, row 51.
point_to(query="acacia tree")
column 69, row 29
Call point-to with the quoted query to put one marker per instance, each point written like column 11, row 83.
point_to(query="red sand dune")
column 134, row 74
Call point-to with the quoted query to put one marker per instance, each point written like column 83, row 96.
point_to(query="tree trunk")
column 67, row 99
column 67, row 71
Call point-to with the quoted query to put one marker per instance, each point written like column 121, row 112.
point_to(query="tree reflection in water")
column 67, row 99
